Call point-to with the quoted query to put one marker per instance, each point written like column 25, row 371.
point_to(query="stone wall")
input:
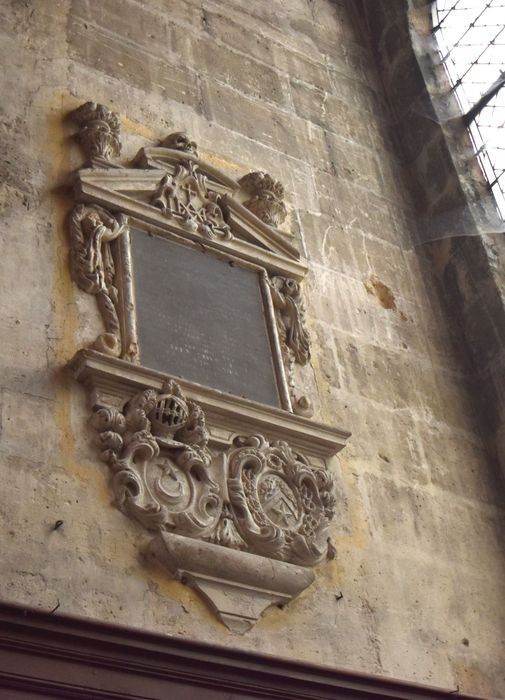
column 458, row 223
column 417, row 588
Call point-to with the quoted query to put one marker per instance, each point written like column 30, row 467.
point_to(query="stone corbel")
column 237, row 586
column 241, row 519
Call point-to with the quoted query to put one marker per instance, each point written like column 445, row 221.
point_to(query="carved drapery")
column 295, row 344
column 184, row 195
column 266, row 199
column 92, row 230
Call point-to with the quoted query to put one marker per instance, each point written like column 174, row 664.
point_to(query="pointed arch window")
column 471, row 41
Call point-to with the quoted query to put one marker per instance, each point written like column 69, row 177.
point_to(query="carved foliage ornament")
column 267, row 197
column 99, row 130
column 290, row 314
column 92, row 229
column 216, row 509
column 184, row 196
column 166, row 478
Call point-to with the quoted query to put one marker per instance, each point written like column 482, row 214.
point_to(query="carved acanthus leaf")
column 92, row 230
column 184, row 196
column 180, row 141
column 99, row 130
column 267, row 197
column 157, row 451
column 256, row 496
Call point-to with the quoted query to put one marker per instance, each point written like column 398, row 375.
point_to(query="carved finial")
column 180, row 142
column 99, row 130
column 267, row 195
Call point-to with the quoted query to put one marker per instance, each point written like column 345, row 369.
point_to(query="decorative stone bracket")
column 181, row 470
column 236, row 494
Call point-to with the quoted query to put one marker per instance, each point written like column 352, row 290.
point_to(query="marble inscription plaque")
column 201, row 318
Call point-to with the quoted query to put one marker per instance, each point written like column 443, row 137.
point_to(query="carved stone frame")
column 226, row 484
column 109, row 191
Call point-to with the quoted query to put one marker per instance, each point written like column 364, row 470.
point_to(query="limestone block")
column 256, row 80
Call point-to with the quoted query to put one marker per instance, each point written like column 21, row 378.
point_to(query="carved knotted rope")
column 290, row 314
column 99, row 130
column 92, row 229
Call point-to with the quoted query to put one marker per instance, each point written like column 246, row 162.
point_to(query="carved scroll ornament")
column 99, row 130
column 157, row 451
column 184, row 196
column 267, row 197
column 92, row 229
column 282, row 506
column 165, row 477
column 240, row 519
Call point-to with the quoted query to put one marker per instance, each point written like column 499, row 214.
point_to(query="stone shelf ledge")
column 112, row 382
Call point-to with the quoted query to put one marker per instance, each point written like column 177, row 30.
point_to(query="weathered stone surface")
column 420, row 557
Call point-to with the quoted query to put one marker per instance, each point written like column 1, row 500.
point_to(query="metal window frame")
column 470, row 116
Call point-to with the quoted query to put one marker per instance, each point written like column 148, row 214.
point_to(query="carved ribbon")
column 92, row 229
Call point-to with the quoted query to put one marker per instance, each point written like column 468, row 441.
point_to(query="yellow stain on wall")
column 218, row 162
column 133, row 127
column 65, row 318
column 185, row 596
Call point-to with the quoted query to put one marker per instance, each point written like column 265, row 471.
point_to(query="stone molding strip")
column 44, row 654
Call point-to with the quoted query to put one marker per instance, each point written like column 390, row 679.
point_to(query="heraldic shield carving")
column 232, row 496
column 166, row 478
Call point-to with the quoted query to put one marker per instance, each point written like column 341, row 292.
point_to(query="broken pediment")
column 192, row 382
column 170, row 186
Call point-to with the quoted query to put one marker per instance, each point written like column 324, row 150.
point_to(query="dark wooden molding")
column 44, row 655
